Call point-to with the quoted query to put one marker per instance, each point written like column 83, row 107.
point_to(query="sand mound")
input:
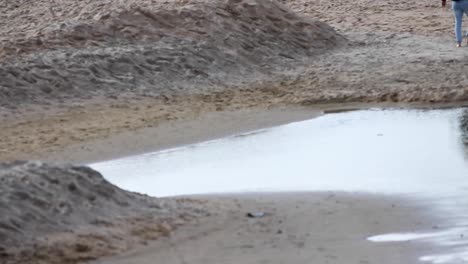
column 152, row 49
column 40, row 201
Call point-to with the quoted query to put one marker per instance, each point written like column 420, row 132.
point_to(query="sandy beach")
column 87, row 81
column 297, row 228
column 366, row 61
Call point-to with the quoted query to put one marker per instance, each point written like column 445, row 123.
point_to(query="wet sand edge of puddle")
column 320, row 227
column 207, row 126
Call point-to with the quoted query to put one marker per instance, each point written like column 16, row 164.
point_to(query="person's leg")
column 465, row 10
column 458, row 14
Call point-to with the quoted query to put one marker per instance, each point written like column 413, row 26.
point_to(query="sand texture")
column 70, row 214
column 79, row 79
column 296, row 228
column 193, row 49
column 74, row 71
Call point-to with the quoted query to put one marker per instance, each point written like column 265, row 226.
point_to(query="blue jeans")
column 459, row 8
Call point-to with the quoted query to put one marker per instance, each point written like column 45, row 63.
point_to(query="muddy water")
column 405, row 152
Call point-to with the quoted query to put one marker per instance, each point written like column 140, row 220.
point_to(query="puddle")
column 404, row 152
column 374, row 151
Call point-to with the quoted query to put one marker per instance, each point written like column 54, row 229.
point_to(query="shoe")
column 459, row 45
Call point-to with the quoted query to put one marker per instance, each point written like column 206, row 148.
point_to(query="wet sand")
column 297, row 228
column 176, row 133
column 79, row 82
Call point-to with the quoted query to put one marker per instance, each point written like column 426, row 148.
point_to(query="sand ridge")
column 158, row 61
column 194, row 50
column 70, row 214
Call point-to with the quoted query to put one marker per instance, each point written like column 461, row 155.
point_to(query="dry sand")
column 111, row 67
column 142, row 64
column 71, row 214
column 78, row 79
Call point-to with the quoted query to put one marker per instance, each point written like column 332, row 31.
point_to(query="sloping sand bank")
column 70, row 214
column 114, row 68
column 159, row 52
